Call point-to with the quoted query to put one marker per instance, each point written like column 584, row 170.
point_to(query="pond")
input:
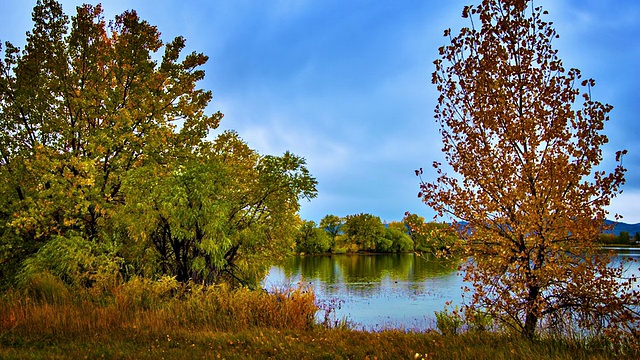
column 377, row 291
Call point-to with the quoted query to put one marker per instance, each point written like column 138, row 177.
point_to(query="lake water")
column 382, row 290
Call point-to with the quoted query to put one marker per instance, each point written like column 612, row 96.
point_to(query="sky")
column 347, row 84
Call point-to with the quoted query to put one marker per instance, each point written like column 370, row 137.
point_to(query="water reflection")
column 386, row 290
column 380, row 290
column 368, row 272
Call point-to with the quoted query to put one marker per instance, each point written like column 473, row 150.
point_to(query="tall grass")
column 140, row 305
column 143, row 319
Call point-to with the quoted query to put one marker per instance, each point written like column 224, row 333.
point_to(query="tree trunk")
column 530, row 324
column 531, row 321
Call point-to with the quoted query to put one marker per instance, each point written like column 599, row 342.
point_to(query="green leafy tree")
column 437, row 238
column 364, row 230
column 395, row 240
column 81, row 107
column 525, row 150
column 332, row 224
column 415, row 225
column 400, row 226
column 223, row 215
column 312, row 239
column 95, row 129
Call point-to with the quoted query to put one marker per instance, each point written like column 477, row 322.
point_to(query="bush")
column 45, row 287
column 77, row 262
column 449, row 323
column 478, row 320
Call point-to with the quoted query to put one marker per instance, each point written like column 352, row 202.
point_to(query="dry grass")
column 153, row 307
column 145, row 319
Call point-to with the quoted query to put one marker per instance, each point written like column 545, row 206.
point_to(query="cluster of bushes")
column 367, row 233
column 622, row 239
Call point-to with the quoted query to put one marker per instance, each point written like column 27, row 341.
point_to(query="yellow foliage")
column 524, row 140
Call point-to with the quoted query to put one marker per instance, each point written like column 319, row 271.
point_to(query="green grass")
column 155, row 320
column 290, row 344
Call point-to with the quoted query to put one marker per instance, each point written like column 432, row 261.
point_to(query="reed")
column 152, row 307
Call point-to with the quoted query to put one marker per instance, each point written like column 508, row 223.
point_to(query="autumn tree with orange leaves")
column 523, row 136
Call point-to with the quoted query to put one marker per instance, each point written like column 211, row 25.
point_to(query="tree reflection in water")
column 376, row 290
column 386, row 290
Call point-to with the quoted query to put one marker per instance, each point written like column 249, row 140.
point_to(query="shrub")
column 77, row 262
column 45, row 287
column 449, row 323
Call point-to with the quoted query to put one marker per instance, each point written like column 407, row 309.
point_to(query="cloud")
column 346, row 84
column 628, row 205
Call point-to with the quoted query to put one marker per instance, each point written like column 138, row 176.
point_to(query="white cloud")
column 626, row 204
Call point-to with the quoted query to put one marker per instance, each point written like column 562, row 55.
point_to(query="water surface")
column 384, row 290
column 377, row 290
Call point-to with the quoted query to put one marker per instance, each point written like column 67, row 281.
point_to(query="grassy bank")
column 289, row 344
column 145, row 320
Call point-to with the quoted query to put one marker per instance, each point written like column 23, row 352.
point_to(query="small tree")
column 365, row 230
column 525, row 152
column 332, row 224
column 312, row 239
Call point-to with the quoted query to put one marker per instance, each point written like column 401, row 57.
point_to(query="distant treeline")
column 624, row 238
column 367, row 233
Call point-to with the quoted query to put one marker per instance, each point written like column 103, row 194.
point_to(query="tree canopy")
column 523, row 136
column 104, row 140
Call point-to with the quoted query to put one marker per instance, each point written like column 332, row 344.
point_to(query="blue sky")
column 346, row 84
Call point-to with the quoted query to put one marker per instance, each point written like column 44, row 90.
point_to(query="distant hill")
column 632, row 229
column 620, row 226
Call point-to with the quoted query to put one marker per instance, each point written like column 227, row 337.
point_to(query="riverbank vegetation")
column 164, row 319
column 622, row 239
column 367, row 233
